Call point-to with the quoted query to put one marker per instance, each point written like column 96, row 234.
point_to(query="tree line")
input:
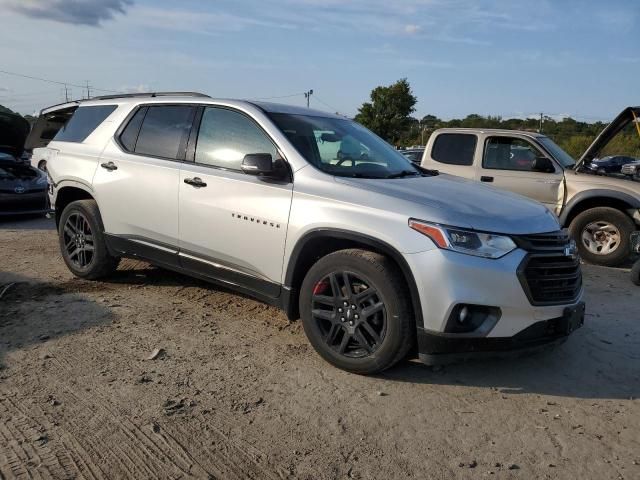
column 389, row 113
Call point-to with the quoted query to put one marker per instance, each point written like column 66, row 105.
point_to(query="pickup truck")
column 601, row 212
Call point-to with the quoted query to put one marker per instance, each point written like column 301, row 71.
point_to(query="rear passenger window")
column 129, row 135
column 454, row 148
column 226, row 137
column 164, row 131
column 83, row 122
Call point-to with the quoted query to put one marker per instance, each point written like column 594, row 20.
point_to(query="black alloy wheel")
column 78, row 240
column 349, row 313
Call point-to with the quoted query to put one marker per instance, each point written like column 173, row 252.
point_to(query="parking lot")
column 156, row 375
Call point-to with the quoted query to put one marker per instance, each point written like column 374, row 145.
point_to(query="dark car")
column 23, row 189
column 13, row 133
column 610, row 164
column 413, row 154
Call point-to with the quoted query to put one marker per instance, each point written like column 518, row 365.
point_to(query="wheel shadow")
column 33, row 312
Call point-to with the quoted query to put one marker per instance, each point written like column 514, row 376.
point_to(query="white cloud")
column 412, row 28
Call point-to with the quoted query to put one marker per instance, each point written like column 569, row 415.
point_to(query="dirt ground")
column 236, row 391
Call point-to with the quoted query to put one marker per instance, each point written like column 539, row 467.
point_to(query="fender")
column 289, row 303
column 634, row 202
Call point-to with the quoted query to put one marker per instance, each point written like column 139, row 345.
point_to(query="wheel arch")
column 70, row 192
column 597, row 198
column 317, row 243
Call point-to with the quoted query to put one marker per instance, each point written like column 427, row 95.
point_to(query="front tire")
column 82, row 242
column 356, row 311
column 603, row 235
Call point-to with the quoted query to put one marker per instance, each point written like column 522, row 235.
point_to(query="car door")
column 137, row 182
column 508, row 163
column 453, row 153
column 232, row 225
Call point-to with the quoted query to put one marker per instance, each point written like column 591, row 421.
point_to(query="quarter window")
column 83, row 122
column 226, row 136
column 164, row 131
column 454, row 148
column 509, row 153
column 129, row 136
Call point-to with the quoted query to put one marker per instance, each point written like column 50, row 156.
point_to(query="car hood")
column 460, row 202
column 623, row 119
column 13, row 133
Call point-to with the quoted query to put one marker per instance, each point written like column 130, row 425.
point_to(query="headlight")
column 487, row 245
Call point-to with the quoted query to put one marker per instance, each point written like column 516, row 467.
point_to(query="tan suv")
column 601, row 212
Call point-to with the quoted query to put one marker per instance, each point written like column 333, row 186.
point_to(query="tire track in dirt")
column 161, row 449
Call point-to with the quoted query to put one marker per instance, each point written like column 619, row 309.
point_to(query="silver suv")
column 315, row 214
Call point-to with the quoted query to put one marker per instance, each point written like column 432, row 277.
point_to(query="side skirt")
column 209, row 270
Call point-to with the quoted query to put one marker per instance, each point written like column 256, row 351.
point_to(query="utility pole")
column 66, row 93
column 88, row 90
column 307, row 95
column 541, row 117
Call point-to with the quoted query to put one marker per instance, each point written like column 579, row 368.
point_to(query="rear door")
column 453, row 153
column 137, row 181
column 232, row 225
column 507, row 163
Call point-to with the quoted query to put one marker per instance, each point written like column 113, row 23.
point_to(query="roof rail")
column 150, row 94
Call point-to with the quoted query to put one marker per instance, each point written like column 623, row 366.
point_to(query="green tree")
column 389, row 112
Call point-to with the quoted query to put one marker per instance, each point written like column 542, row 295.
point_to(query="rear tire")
column 356, row 311
column 603, row 235
column 82, row 243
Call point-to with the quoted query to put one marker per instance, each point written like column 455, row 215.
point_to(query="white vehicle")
column 313, row 213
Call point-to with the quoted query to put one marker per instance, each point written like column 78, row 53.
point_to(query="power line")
column 56, row 82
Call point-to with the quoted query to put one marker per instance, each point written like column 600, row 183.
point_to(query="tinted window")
column 164, row 131
column 129, row 136
column 84, row 121
column 454, row 148
column 508, row 153
column 226, row 137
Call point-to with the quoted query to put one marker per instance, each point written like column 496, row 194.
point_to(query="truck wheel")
column 635, row 273
column 82, row 244
column 356, row 311
column 603, row 235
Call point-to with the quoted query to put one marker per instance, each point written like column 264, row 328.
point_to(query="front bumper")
column 439, row 349
column 446, row 279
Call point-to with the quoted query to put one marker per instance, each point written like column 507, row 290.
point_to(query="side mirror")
column 262, row 164
column 543, row 164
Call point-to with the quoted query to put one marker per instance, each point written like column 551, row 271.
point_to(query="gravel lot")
column 236, row 392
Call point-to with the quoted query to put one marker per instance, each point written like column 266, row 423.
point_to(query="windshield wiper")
column 404, row 173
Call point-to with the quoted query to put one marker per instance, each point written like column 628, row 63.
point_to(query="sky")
column 512, row 58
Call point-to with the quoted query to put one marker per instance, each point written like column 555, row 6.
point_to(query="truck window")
column 509, row 153
column 454, row 148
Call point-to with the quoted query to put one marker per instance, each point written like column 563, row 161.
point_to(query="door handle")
column 195, row 182
column 486, row 179
column 109, row 166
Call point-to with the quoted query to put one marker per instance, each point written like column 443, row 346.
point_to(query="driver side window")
column 509, row 153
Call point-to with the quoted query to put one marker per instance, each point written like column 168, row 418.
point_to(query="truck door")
column 453, row 153
column 508, row 163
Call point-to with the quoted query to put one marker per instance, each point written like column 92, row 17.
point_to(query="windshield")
column 558, row 153
column 343, row 147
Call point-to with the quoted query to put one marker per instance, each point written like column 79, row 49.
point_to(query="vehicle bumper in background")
column 24, row 204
